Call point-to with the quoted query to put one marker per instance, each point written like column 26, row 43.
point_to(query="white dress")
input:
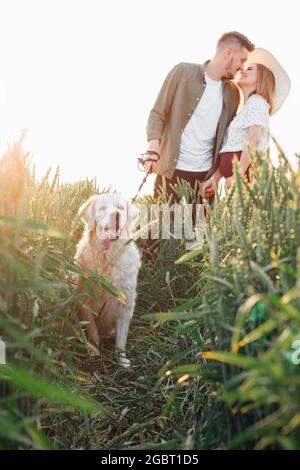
column 255, row 112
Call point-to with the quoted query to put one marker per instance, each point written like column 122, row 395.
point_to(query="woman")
column 264, row 85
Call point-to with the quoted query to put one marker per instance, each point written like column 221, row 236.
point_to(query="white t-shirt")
column 197, row 139
column 255, row 112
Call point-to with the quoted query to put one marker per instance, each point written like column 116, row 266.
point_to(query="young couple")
column 194, row 131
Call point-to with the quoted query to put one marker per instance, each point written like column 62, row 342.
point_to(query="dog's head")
column 110, row 215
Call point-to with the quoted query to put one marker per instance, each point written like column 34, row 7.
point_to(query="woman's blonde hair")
column 265, row 85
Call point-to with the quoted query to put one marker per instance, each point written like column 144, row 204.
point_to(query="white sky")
column 82, row 75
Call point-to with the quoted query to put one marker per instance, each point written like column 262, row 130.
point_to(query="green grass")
column 211, row 342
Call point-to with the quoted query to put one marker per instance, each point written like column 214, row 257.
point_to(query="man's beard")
column 229, row 75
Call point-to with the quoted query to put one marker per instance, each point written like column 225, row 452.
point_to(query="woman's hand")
column 207, row 188
column 228, row 182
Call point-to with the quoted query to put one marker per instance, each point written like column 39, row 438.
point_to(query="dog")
column 109, row 223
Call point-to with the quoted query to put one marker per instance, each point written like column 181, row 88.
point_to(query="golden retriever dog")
column 109, row 223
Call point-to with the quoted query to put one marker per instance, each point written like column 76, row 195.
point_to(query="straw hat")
column 282, row 81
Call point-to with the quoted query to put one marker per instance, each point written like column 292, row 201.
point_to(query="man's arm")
column 153, row 144
column 236, row 99
column 159, row 112
column 158, row 115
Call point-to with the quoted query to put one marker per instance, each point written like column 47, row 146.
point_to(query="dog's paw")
column 123, row 361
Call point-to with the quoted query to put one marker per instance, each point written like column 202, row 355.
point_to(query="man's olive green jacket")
column 176, row 102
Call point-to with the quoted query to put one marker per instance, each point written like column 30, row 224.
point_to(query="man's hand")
column 150, row 167
column 153, row 145
column 207, row 186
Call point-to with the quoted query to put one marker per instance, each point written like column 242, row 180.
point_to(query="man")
column 196, row 103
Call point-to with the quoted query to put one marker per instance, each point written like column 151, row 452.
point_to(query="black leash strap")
column 141, row 185
column 141, row 161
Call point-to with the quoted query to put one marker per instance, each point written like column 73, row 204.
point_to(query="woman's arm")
column 253, row 140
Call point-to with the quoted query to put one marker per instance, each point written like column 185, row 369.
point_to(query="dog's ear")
column 86, row 213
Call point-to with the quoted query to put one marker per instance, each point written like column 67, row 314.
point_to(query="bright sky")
column 82, row 75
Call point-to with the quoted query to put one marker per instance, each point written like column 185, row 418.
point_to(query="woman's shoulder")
column 257, row 100
column 254, row 112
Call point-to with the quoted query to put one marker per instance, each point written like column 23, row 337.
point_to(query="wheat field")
column 214, row 342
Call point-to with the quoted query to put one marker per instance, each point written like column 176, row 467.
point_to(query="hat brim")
column 282, row 81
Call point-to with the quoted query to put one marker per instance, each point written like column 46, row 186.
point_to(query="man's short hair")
column 228, row 39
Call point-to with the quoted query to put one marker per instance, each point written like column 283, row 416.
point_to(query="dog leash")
column 141, row 161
